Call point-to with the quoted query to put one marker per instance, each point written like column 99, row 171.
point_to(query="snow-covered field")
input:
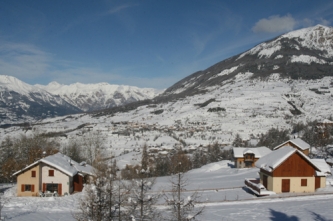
column 220, row 187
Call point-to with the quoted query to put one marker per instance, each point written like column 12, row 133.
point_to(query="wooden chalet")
column 246, row 157
column 297, row 143
column 289, row 170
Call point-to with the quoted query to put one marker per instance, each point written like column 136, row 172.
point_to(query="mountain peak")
column 305, row 53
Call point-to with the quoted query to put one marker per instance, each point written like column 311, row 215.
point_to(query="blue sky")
column 147, row 43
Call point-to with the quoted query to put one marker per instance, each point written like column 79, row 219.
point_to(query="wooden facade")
column 78, row 183
column 295, row 166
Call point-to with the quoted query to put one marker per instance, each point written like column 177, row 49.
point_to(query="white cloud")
column 120, row 8
column 23, row 61
column 311, row 22
column 275, row 24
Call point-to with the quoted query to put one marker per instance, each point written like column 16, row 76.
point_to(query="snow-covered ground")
column 220, row 187
column 252, row 107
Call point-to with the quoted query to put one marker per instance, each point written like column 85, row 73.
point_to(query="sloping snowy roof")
column 258, row 151
column 274, row 159
column 298, row 142
column 62, row 163
column 322, row 165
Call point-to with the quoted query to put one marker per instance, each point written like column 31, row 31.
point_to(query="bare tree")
column 73, row 150
column 141, row 202
column 17, row 153
column 103, row 198
column 182, row 209
column 93, row 145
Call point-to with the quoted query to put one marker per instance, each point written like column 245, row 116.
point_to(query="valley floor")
column 220, row 187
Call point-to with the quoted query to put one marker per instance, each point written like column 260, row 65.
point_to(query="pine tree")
column 238, row 142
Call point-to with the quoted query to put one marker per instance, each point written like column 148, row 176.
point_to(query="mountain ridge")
column 306, row 53
column 20, row 101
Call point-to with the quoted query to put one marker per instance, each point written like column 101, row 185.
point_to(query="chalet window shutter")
column 44, row 187
column 59, row 189
column 22, row 188
column 32, row 188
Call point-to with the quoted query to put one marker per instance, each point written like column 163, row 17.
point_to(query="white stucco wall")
column 59, row 177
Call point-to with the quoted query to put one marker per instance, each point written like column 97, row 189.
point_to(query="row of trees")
column 165, row 165
column 111, row 197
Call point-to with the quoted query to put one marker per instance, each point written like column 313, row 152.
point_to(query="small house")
column 297, row 143
column 246, row 157
column 289, row 170
column 55, row 174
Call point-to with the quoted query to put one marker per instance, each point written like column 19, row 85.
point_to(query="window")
column 52, row 187
column 51, row 172
column 27, row 188
column 33, row 173
column 304, row 182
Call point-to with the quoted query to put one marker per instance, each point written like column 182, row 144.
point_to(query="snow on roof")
column 64, row 164
column 322, row 165
column 329, row 160
column 298, row 142
column 274, row 159
column 61, row 162
column 258, row 151
column 248, row 150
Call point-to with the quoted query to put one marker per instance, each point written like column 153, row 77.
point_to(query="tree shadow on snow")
column 318, row 217
column 279, row 216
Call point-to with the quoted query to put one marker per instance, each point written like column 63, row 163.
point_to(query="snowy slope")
column 223, row 198
column 90, row 97
column 318, row 37
column 305, row 53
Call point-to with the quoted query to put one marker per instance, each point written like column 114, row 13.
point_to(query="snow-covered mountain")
column 20, row 101
column 90, row 97
column 279, row 82
column 303, row 54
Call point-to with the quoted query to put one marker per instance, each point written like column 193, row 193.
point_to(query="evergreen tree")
column 145, row 157
column 214, row 152
column 238, row 142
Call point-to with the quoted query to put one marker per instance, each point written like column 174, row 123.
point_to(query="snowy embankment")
column 222, row 193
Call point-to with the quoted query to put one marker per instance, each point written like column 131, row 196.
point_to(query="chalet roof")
column 322, row 165
column 274, row 159
column 62, row 163
column 257, row 151
column 298, row 142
